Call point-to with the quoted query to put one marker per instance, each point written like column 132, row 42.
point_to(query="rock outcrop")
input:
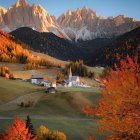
column 22, row 14
column 84, row 24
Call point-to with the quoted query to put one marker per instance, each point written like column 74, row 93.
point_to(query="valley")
column 61, row 111
column 74, row 75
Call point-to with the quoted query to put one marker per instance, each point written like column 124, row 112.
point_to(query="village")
column 70, row 81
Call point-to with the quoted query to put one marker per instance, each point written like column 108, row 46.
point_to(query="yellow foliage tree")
column 42, row 133
column 56, row 135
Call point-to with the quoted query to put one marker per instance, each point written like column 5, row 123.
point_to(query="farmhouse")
column 38, row 79
column 46, row 83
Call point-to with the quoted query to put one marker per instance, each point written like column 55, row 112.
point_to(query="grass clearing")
column 61, row 111
column 11, row 89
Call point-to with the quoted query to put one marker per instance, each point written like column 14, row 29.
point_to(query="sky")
column 106, row 8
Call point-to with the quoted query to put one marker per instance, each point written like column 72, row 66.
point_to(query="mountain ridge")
column 82, row 24
column 21, row 14
column 95, row 52
column 49, row 43
column 126, row 44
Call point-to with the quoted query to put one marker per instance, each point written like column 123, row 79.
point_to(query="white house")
column 46, row 83
column 53, row 84
column 37, row 79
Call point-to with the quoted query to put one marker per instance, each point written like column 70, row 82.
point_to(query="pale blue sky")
column 104, row 8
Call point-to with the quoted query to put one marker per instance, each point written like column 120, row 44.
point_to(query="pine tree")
column 29, row 125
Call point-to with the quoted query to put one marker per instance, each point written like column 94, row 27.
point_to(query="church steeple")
column 70, row 73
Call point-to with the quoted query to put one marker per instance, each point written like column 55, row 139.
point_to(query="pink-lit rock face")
column 85, row 24
column 22, row 14
column 80, row 24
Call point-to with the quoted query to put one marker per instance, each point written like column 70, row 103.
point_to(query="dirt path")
column 35, row 96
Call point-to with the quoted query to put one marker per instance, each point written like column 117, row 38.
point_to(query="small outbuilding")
column 50, row 90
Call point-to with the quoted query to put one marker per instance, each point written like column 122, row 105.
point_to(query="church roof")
column 37, row 77
column 73, row 78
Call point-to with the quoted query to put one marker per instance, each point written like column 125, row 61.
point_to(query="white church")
column 73, row 80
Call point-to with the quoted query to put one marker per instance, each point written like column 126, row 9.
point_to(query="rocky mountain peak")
column 41, row 9
column 85, row 8
column 69, row 12
column 84, row 11
column 2, row 10
column 21, row 3
column 81, row 24
column 84, row 24
column 78, row 12
column 23, row 15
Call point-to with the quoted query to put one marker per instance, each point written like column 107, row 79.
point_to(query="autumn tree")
column 91, row 137
column 42, row 132
column 5, row 72
column 56, row 135
column 119, row 107
column 18, row 131
column 59, row 77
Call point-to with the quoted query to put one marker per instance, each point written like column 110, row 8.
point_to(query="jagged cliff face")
column 81, row 24
column 22, row 14
column 85, row 24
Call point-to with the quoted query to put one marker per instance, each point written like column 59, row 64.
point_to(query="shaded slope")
column 50, row 44
column 128, row 43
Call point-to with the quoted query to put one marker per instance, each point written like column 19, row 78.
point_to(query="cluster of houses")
column 72, row 81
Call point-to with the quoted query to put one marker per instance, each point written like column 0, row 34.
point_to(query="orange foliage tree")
column 91, row 137
column 119, row 107
column 17, row 52
column 18, row 131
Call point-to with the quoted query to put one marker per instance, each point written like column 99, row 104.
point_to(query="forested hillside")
column 13, row 51
column 128, row 43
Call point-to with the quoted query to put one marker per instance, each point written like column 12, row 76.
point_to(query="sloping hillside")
column 50, row 44
column 10, row 51
column 15, row 51
column 128, row 43
column 100, row 52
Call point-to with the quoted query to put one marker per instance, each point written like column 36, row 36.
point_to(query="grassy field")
column 61, row 111
column 10, row 89
column 19, row 71
column 51, row 59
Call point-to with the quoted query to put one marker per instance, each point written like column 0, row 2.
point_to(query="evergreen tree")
column 29, row 125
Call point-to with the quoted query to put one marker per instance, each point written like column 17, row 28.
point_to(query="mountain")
column 84, row 24
column 49, row 43
column 22, row 14
column 129, row 43
column 15, row 51
column 97, row 52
